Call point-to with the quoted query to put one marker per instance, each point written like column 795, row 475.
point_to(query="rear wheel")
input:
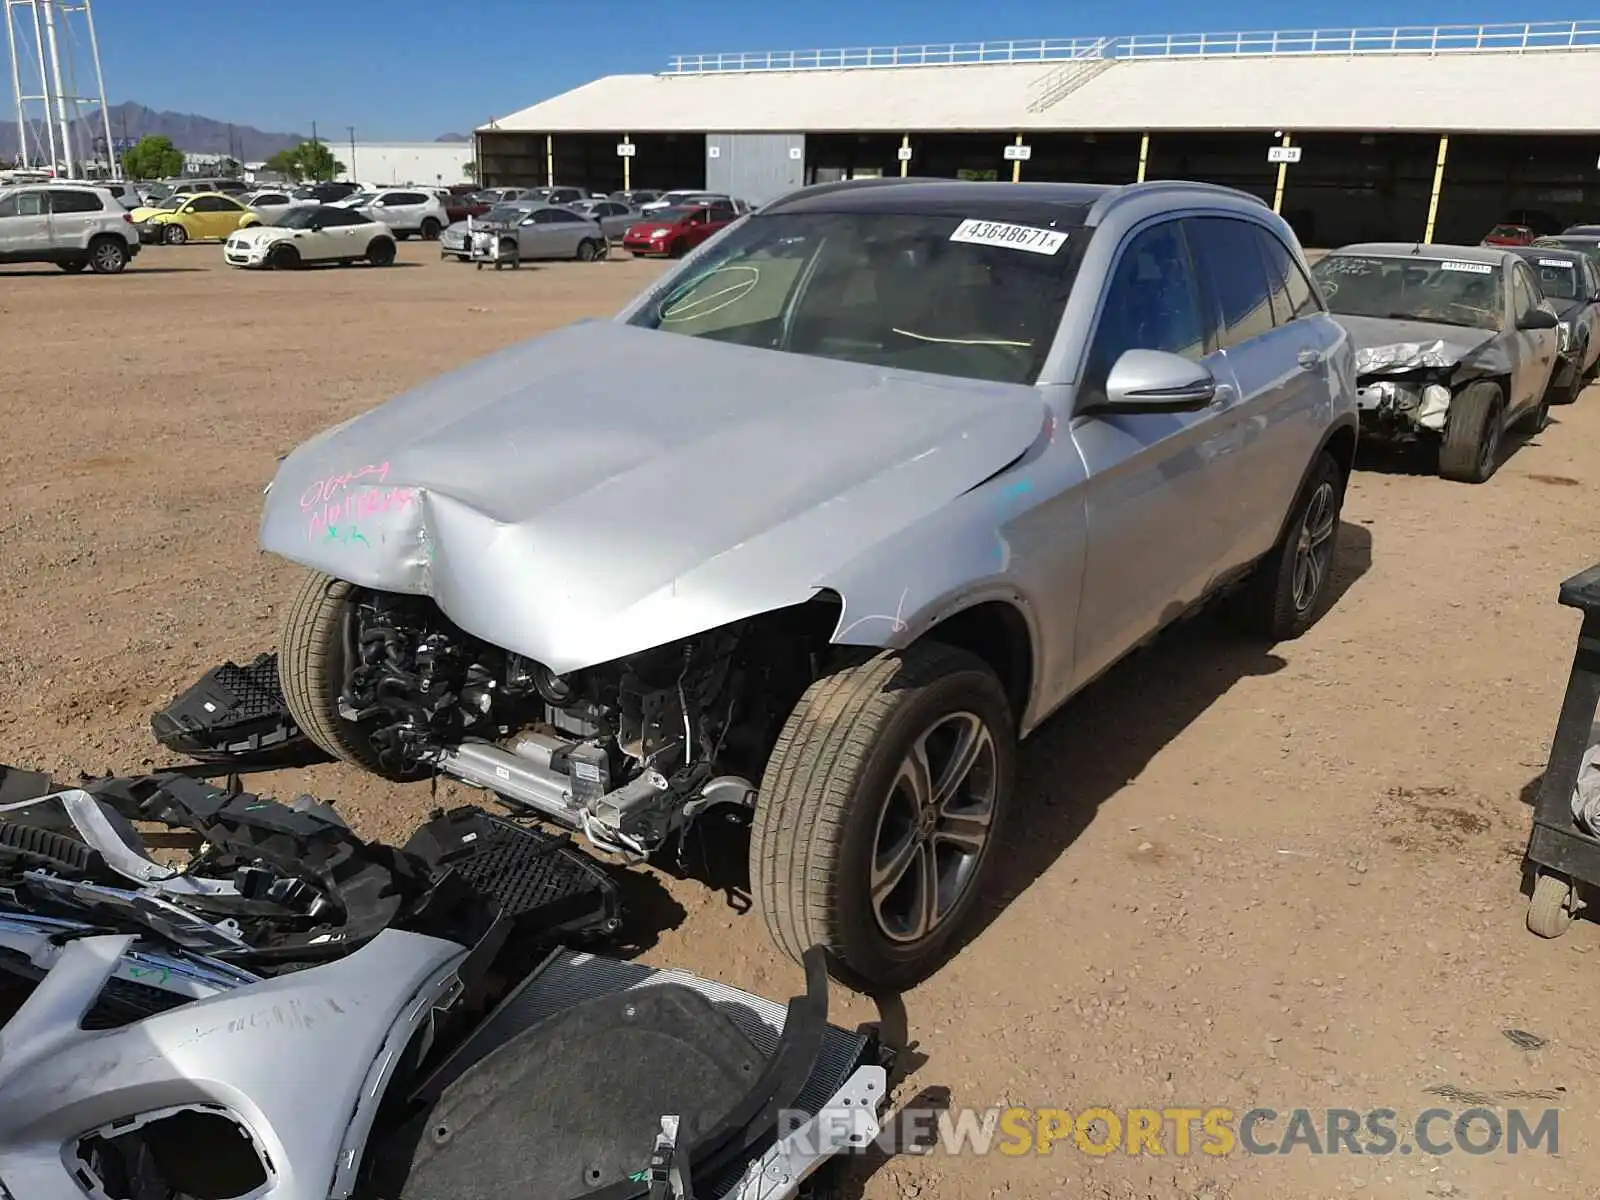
column 1284, row 596
column 312, row 666
column 1471, row 448
column 380, row 252
column 174, row 235
column 108, row 255
column 430, row 229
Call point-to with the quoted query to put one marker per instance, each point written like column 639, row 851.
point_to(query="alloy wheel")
column 934, row 827
column 1314, row 546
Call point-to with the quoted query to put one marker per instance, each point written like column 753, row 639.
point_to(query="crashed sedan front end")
column 1404, row 388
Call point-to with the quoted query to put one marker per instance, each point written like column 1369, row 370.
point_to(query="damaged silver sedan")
column 1454, row 345
column 808, row 534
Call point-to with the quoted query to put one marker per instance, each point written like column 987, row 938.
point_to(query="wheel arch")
column 1340, row 442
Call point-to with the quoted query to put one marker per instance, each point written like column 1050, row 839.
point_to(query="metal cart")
column 1561, row 851
column 494, row 247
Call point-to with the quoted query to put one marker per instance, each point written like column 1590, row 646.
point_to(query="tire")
column 831, row 794
column 1471, row 447
column 431, row 230
column 108, row 256
column 1550, row 908
column 380, row 252
column 1285, row 594
column 401, row 236
column 587, row 250
column 311, row 666
column 678, row 249
column 73, row 267
column 1567, row 393
column 174, row 235
column 284, row 258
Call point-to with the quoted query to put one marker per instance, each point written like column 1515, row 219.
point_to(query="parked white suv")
column 408, row 211
column 72, row 225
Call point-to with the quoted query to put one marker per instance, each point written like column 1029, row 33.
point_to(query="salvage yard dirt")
column 1240, row 877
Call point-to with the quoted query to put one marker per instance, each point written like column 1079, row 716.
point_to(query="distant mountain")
column 189, row 132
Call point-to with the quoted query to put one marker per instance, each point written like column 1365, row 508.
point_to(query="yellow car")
column 192, row 216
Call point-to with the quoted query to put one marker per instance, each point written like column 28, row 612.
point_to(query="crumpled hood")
column 1382, row 344
column 605, row 489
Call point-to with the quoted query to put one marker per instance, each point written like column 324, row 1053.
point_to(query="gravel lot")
column 1240, row 878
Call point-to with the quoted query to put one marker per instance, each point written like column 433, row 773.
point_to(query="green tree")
column 284, row 163
column 152, row 158
column 470, row 170
column 315, row 161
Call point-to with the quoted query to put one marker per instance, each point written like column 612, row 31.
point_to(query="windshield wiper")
column 1400, row 316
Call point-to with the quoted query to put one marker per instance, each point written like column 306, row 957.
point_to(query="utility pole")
column 352, row 130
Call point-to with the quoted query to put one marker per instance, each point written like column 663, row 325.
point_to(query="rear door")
column 75, row 216
column 1152, row 500
column 1265, row 435
column 1533, row 351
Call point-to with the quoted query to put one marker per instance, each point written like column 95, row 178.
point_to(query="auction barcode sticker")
column 1556, row 262
column 1475, row 268
column 1012, row 237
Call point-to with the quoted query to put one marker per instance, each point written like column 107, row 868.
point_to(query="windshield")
column 1558, row 277
column 506, row 214
column 893, row 290
column 1412, row 288
column 356, row 199
column 1588, row 247
column 174, row 204
column 1508, row 231
column 299, row 218
column 674, row 214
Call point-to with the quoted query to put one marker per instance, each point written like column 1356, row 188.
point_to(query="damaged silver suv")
column 895, row 469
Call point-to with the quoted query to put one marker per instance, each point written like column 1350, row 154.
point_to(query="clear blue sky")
column 406, row 70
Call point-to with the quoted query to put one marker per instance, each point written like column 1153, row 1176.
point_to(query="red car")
column 1509, row 235
column 675, row 231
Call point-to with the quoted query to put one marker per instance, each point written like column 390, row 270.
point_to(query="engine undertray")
column 233, row 714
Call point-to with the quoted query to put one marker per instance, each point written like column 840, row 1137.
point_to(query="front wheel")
column 380, row 252
column 312, row 666
column 174, row 235
column 879, row 811
column 588, row 251
column 284, row 258
column 1471, row 448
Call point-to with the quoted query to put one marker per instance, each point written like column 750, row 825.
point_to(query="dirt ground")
column 1285, row 879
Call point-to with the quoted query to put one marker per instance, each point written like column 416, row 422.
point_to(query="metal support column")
column 67, row 138
column 905, row 144
column 1283, row 175
column 1144, row 155
column 25, row 155
column 1016, row 165
column 549, row 160
column 627, row 166
column 1438, row 186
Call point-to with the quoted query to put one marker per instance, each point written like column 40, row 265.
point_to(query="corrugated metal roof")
column 1492, row 92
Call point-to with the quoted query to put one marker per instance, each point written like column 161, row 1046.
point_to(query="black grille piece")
column 233, row 712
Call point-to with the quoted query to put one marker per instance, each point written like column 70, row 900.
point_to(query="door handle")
column 1310, row 358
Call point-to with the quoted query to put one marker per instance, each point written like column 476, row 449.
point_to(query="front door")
column 1533, row 357
column 1154, row 506
column 24, row 224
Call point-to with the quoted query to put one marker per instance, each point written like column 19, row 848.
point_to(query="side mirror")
column 1150, row 381
column 1539, row 319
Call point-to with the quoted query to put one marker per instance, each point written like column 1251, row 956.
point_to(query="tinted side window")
column 1151, row 303
column 723, row 212
column 1225, row 253
column 1292, row 293
column 545, row 216
column 408, row 198
column 212, row 203
column 561, row 217
column 74, row 202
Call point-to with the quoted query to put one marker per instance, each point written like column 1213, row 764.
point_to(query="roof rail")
column 1131, row 190
column 839, row 185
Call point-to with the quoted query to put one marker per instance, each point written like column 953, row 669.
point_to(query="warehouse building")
column 384, row 163
column 1352, row 134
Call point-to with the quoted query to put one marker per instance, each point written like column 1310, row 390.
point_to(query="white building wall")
column 385, row 163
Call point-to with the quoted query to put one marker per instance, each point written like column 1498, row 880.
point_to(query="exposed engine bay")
column 284, row 1011
column 626, row 752
column 1407, row 387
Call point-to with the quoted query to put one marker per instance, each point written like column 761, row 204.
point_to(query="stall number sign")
column 904, row 154
column 1019, row 153
column 713, row 151
column 1283, row 154
column 626, row 150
